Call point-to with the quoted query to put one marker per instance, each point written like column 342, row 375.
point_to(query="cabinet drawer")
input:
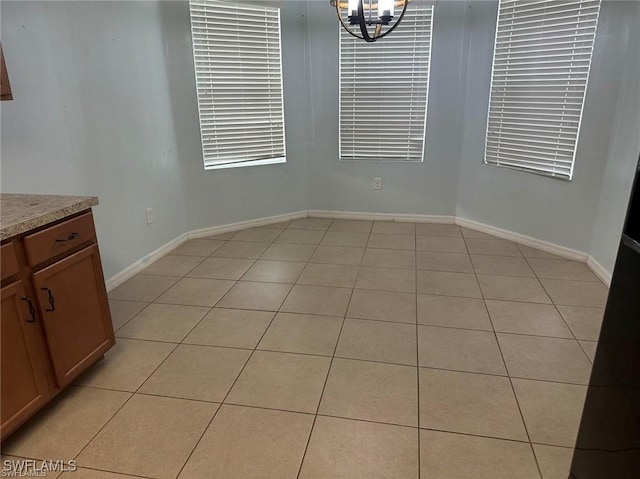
column 8, row 261
column 59, row 239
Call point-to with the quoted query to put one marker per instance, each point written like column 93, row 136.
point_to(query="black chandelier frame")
column 364, row 23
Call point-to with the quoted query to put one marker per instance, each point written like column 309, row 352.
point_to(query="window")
column 541, row 66
column 238, row 65
column 384, row 88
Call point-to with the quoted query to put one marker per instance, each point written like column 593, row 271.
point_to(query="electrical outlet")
column 148, row 213
column 377, row 183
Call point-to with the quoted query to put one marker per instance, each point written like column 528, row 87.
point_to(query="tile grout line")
column 560, row 314
column 129, row 320
column 132, row 394
column 368, row 319
column 142, row 273
column 336, row 345
column 326, row 379
column 202, row 260
column 479, row 373
column 330, row 416
column 258, row 343
column 361, row 265
column 222, row 403
column 566, row 324
column 147, row 378
column 109, row 472
column 315, row 416
column 295, row 282
column 367, row 289
column 370, row 421
column 458, row 433
column 504, row 362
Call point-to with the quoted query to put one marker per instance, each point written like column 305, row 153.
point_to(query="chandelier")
column 363, row 15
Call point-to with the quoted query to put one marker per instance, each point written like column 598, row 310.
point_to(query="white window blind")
column 540, row 71
column 384, row 88
column 238, row 65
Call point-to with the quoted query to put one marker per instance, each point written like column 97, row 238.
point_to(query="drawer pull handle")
column 72, row 236
column 32, row 311
column 52, row 300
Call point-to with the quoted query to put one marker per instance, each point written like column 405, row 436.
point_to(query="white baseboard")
column 130, row 271
column 352, row 215
column 216, row 230
column 599, row 270
column 552, row 248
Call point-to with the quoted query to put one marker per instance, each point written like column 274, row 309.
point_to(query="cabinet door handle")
column 72, row 236
column 52, row 300
column 32, row 311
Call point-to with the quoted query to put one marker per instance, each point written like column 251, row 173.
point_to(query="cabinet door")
column 24, row 387
column 73, row 304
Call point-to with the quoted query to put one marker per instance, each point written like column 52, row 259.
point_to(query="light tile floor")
column 335, row 349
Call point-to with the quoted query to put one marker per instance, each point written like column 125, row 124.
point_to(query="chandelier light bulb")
column 352, row 8
column 385, row 10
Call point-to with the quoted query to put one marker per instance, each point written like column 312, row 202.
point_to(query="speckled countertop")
column 21, row 213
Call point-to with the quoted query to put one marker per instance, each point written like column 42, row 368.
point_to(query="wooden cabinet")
column 55, row 314
column 75, row 313
column 24, row 388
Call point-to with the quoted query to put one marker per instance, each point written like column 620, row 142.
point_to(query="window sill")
column 270, row 161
